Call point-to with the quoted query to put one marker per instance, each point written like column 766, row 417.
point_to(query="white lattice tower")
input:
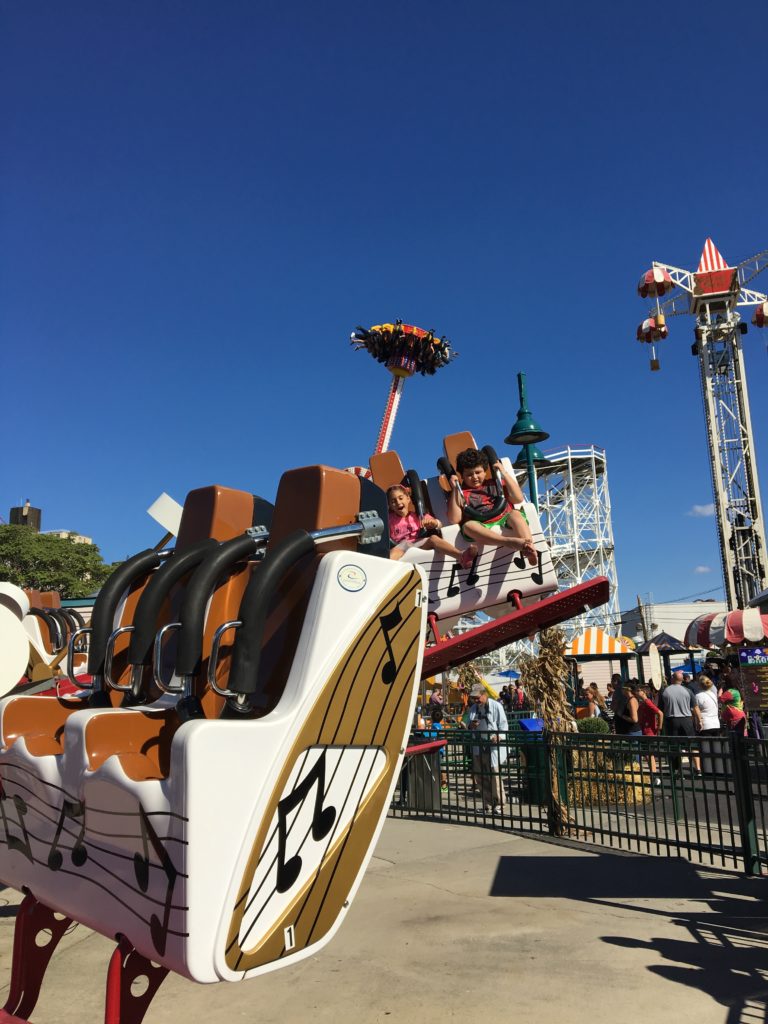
column 575, row 510
column 712, row 294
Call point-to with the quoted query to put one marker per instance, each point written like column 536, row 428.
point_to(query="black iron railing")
column 704, row 798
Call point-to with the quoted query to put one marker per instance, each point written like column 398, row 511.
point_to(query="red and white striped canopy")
column 649, row 330
column 717, row 629
column 760, row 318
column 655, row 281
column 711, row 259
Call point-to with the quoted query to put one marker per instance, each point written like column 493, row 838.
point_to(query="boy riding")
column 506, row 529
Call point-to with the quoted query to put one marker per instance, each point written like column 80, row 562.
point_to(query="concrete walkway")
column 462, row 923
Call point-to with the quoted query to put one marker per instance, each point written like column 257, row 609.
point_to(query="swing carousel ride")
column 210, row 790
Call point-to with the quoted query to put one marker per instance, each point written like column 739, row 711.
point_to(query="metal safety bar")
column 82, row 631
column 368, row 526
column 109, row 655
column 157, row 660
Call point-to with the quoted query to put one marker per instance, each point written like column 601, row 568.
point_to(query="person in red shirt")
column 404, row 529
column 732, row 716
column 651, row 720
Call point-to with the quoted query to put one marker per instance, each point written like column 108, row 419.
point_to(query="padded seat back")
column 454, row 444
column 216, row 512
column 43, row 629
column 386, row 469
column 311, row 498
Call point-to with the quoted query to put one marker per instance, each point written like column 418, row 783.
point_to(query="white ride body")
column 496, row 574
column 162, row 861
column 14, row 640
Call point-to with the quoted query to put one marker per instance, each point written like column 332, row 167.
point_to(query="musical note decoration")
column 74, row 810
column 388, row 623
column 20, row 845
column 158, row 929
column 322, row 822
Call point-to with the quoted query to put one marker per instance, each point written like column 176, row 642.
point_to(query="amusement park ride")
column 713, row 294
column 211, row 790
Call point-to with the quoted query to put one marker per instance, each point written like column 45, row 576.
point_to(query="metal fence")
column 704, row 798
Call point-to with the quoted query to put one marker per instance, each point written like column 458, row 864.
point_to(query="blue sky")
column 201, row 200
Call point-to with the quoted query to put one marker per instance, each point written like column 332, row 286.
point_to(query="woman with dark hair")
column 618, row 703
column 630, row 715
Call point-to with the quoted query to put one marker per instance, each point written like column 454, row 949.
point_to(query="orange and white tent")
column 593, row 642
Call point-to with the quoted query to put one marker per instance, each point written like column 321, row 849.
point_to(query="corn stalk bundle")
column 545, row 675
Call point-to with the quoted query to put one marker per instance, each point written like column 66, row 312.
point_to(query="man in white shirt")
column 487, row 716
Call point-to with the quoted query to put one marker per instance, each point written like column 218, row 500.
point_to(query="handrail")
column 246, row 654
column 151, row 601
column 102, row 620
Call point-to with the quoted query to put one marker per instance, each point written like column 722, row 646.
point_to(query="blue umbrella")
column 508, row 674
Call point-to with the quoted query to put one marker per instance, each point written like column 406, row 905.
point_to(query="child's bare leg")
column 477, row 533
column 465, row 558
column 396, row 554
column 517, row 525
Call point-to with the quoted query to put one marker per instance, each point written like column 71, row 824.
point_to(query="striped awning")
column 594, row 641
column 715, row 630
column 652, row 329
column 760, row 318
column 655, row 282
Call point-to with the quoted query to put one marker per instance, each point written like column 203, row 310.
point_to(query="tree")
column 39, row 561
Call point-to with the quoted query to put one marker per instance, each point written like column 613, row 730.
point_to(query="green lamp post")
column 527, row 432
column 539, row 460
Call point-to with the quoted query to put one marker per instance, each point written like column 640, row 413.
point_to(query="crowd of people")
column 685, row 706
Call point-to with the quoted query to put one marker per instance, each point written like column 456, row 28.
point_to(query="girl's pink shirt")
column 403, row 527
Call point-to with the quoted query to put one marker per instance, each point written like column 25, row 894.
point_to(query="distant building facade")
column 76, row 538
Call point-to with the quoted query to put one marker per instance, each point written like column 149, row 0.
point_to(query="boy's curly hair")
column 470, row 458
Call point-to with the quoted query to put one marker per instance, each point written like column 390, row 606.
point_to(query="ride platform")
column 521, row 623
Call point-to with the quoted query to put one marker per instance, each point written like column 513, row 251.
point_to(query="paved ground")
column 462, row 923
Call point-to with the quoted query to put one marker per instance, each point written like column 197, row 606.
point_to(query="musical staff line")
column 33, row 796
column 492, row 574
column 362, row 652
column 437, row 566
column 270, row 838
column 350, row 829
column 321, row 861
column 26, row 771
column 364, row 791
column 110, row 892
column 377, row 669
column 372, row 628
column 414, row 641
column 342, row 692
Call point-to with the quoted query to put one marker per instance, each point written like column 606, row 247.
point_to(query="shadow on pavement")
column 723, row 948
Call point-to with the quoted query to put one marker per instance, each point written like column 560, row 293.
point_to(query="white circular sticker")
column 352, row 578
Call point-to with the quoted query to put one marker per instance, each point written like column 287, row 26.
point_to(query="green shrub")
column 592, row 725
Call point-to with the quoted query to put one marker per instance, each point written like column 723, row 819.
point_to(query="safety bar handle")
column 151, row 602
column 259, row 594
column 110, row 653
column 102, row 620
column 198, row 593
column 157, row 665
column 53, row 626
column 82, row 631
column 214, row 657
